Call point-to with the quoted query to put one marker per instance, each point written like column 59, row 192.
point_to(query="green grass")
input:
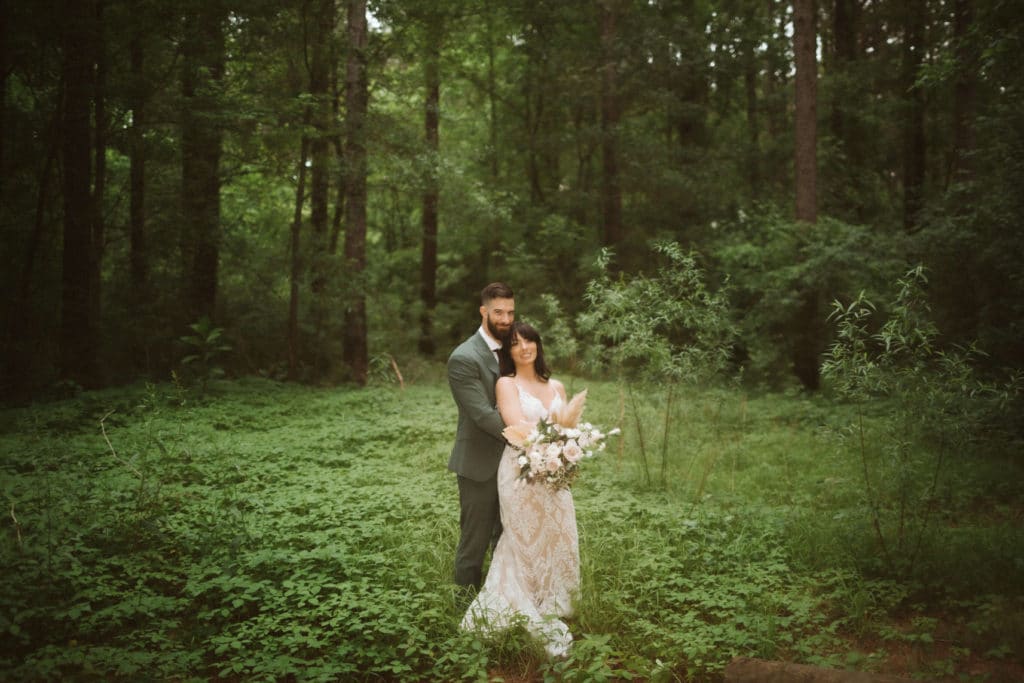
column 276, row 532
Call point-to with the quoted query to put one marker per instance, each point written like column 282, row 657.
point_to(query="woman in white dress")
column 535, row 569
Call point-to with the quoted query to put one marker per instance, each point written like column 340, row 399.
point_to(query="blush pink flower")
column 572, row 451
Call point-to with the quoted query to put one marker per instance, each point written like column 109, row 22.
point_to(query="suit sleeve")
column 466, row 382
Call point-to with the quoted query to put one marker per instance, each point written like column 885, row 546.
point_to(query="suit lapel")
column 486, row 355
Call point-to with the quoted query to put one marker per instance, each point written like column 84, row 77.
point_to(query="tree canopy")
column 333, row 183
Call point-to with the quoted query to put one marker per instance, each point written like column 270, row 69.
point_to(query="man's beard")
column 495, row 332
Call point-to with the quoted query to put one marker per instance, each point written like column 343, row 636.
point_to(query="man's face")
column 498, row 315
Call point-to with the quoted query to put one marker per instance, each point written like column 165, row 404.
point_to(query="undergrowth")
column 276, row 532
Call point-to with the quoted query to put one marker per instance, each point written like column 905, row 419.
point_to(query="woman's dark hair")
column 523, row 331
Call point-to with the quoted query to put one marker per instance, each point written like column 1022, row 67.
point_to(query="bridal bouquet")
column 551, row 450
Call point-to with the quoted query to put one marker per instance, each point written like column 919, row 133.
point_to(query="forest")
column 781, row 241
column 332, row 184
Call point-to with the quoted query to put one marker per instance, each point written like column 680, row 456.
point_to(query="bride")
column 535, row 569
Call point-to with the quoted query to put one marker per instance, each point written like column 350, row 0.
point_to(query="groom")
column 472, row 374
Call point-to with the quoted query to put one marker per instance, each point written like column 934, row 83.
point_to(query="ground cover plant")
column 266, row 531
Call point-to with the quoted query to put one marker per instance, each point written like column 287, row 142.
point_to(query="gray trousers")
column 480, row 527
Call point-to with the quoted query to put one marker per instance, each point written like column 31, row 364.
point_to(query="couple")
column 498, row 377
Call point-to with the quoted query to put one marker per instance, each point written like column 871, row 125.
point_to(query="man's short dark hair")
column 495, row 290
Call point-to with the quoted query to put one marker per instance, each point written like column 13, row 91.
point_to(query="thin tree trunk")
column 428, row 260
column 138, row 258
column 490, row 240
column 319, row 173
column 844, row 30
column 203, row 70
column 319, row 83
column 296, row 263
column 77, row 330
column 753, row 124
column 965, row 91
column 610, row 188
column 356, row 99
column 3, row 95
column 339, row 155
column 807, row 338
column 806, row 111
column 914, row 144
column 100, row 161
column 18, row 315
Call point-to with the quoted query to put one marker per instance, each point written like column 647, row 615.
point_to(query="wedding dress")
column 535, row 569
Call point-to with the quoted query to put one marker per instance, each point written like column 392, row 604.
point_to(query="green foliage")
column 664, row 328
column 659, row 331
column 937, row 409
column 206, row 350
column 283, row 532
column 770, row 260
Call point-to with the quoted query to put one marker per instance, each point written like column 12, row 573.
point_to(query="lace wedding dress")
column 535, row 569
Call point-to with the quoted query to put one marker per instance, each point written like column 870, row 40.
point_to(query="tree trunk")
column 100, row 160
column 78, row 329
column 356, row 100
column 319, row 172
column 610, row 188
column 965, row 91
column 296, row 263
column 844, row 30
column 490, row 240
column 138, row 258
column 806, row 111
column 319, row 83
column 750, row 71
column 339, row 154
column 202, row 73
column 3, row 95
column 913, row 126
column 534, row 113
column 428, row 261
column 17, row 350
column 807, row 337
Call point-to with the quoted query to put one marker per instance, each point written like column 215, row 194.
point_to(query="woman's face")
column 523, row 351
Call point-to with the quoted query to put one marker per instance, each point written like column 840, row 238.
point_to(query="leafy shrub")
column 937, row 409
column 659, row 331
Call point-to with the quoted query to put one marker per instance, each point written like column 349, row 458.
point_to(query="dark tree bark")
column 611, row 190
column 18, row 319
column 3, row 95
column 319, row 85
column 202, row 73
column 339, row 154
column 138, row 258
column 807, row 338
column 319, row 35
column 356, row 100
column 78, row 329
column 806, row 177
column 490, row 240
column 844, row 31
column 535, row 94
column 914, row 143
column 750, row 72
column 965, row 91
column 296, row 262
column 100, row 160
column 432, row 107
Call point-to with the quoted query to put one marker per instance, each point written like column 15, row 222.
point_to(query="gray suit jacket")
column 472, row 374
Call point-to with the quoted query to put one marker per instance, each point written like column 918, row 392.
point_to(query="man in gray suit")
column 472, row 374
